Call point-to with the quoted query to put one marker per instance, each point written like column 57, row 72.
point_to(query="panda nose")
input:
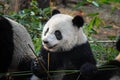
column 46, row 42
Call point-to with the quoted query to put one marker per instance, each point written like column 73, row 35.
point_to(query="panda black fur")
column 65, row 41
column 15, row 54
column 108, row 71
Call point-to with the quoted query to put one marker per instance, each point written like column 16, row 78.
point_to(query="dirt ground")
column 109, row 16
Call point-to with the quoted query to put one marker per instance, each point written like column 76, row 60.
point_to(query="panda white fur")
column 15, row 54
column 65, row 41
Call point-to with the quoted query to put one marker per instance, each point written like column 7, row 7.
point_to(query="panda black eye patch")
column 58, row 34
column 46, row 31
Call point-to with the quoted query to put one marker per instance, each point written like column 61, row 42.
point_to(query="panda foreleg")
column 87, row 70
column 38, row 67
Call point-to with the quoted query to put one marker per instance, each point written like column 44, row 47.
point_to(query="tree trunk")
column 43, row 3
column 16, row 5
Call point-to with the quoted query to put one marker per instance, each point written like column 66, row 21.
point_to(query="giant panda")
column 109, row 70
column 15, row 51
column 64, row 47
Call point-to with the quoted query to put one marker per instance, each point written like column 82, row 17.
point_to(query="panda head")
column 63, row 32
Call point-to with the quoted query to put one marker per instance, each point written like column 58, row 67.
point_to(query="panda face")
column 59, row 34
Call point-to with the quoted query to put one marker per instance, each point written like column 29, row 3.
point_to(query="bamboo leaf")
column 108, row 26
column 95, row 3
column 93, row 14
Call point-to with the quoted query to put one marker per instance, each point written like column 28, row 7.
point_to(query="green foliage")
column 83, row 2
column 80, row 4
column 93, row 2
column 106, row 1
column 33, row 19
column 96, row 3
column 104, row 52
column 95, row 22
column 113, row 9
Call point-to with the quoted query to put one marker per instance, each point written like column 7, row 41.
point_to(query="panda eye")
column 46, row 31
column 58, row 34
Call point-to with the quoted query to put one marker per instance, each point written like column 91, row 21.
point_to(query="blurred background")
column 102, row 20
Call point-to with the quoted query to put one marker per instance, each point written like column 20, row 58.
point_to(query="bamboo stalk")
column 104, row 41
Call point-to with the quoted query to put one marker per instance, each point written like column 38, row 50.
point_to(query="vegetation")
column 97, row 3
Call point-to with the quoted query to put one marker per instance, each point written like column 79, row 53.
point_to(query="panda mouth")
column 50, row 47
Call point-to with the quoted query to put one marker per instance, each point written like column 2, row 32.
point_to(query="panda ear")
column 55, row 11
column 78, row 21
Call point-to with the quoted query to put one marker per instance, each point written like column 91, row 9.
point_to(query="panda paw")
column 88, row 69
column 38, row 68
